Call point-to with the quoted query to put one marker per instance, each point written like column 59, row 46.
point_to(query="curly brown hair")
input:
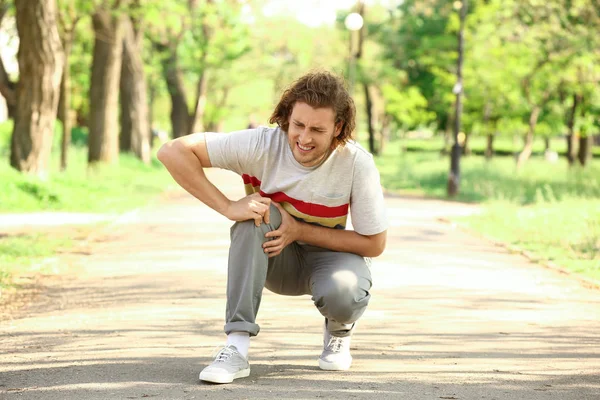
column 319, row 89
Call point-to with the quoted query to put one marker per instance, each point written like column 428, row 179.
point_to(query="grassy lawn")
column 550, row 210
column 106, row 190
column 30, row 252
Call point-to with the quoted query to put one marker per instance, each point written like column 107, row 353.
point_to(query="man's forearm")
column 341, row 240
column 186, row 170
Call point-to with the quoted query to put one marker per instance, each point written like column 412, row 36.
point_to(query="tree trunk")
column 385, row 133
column 585, row 149
column 453, row 185
column 41, row 61
column 134, row 100
column 527, row 149
column 180, row 116
column 218, row 125
column 489, row 149
column 546, row 143
column 104, row 88
column 64, row 105
column 197, row 118
column 447, row 136
column 466, row 146
column 151, row 97
column 571, row 133
column 369, row 110
column 7, row 87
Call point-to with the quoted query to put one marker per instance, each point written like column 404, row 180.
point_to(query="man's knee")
column 250, row 227
column 342, row 297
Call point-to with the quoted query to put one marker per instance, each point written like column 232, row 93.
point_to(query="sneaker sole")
column 327, row 366
column 221, row 378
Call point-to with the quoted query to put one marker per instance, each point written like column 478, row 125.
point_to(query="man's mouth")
column 304, row 148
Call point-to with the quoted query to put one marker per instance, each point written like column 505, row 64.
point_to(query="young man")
column 301, row 179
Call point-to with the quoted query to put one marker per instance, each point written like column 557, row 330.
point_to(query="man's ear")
column 338, row 128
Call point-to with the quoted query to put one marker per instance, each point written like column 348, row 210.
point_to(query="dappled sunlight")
column 449, row 316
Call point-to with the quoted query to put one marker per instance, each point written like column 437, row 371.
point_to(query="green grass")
column 503, row 145
column 565, row 232
column 426, row 173
column 103, row 189
column 106, row 189
column 25, row 253
column 550, row 210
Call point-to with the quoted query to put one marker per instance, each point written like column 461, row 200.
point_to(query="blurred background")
column 494, row 102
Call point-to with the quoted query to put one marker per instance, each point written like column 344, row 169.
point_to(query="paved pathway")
column 452, row 317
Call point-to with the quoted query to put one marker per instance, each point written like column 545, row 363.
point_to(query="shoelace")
column 335, row 343
column 225, row 354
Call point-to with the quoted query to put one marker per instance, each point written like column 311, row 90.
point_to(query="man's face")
column 311, row 132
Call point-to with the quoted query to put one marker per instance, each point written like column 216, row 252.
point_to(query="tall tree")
column 135, row 128
column 8, row 87
column 454, row 176
column 364, row 81
column 70, row 13
column 41, row 63
column 207, row 37
column 108, row 23
column 167, row 35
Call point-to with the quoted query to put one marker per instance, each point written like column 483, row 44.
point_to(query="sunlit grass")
column 550, row 210
column 106, row 189
column 103, row 189
column 426, row 173
column 23, row 253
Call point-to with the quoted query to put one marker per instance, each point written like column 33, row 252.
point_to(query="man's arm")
column 185, row 158
column 333, row 239
column 343, row 240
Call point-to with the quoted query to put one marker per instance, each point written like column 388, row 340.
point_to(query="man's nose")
column 304, row 136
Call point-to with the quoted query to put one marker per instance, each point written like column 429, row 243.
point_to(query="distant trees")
column 527, row 64
column 116, row 69
column 135, row 123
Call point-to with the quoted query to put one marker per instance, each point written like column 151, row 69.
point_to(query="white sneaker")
column 229, row 364
column 336, row 352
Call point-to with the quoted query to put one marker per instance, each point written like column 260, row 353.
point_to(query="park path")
column 451, row 317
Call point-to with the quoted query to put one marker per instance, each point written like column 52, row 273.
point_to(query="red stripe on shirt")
column 250, row 179
column 316, row 210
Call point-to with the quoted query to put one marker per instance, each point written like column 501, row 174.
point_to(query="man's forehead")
column 319, row 114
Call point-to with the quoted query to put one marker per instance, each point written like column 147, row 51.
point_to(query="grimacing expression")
column 311, row 132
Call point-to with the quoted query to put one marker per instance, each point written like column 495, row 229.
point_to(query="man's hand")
column 250, row 207
column 286, row 234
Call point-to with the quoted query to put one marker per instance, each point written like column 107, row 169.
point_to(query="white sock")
column 241, row 340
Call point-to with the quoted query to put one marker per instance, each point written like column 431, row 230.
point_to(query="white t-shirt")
column 321, row 195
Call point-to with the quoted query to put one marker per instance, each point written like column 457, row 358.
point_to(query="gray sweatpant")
column 338, row 282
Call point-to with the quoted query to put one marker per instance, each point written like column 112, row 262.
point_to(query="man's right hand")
column 250, row 207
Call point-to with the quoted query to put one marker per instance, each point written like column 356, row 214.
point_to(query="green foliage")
column 25, row 253
column 419, row 41
column 408, row 108
column 106, row 189
column 518, row 55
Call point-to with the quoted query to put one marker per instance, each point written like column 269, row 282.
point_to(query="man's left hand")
column 286, row 234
